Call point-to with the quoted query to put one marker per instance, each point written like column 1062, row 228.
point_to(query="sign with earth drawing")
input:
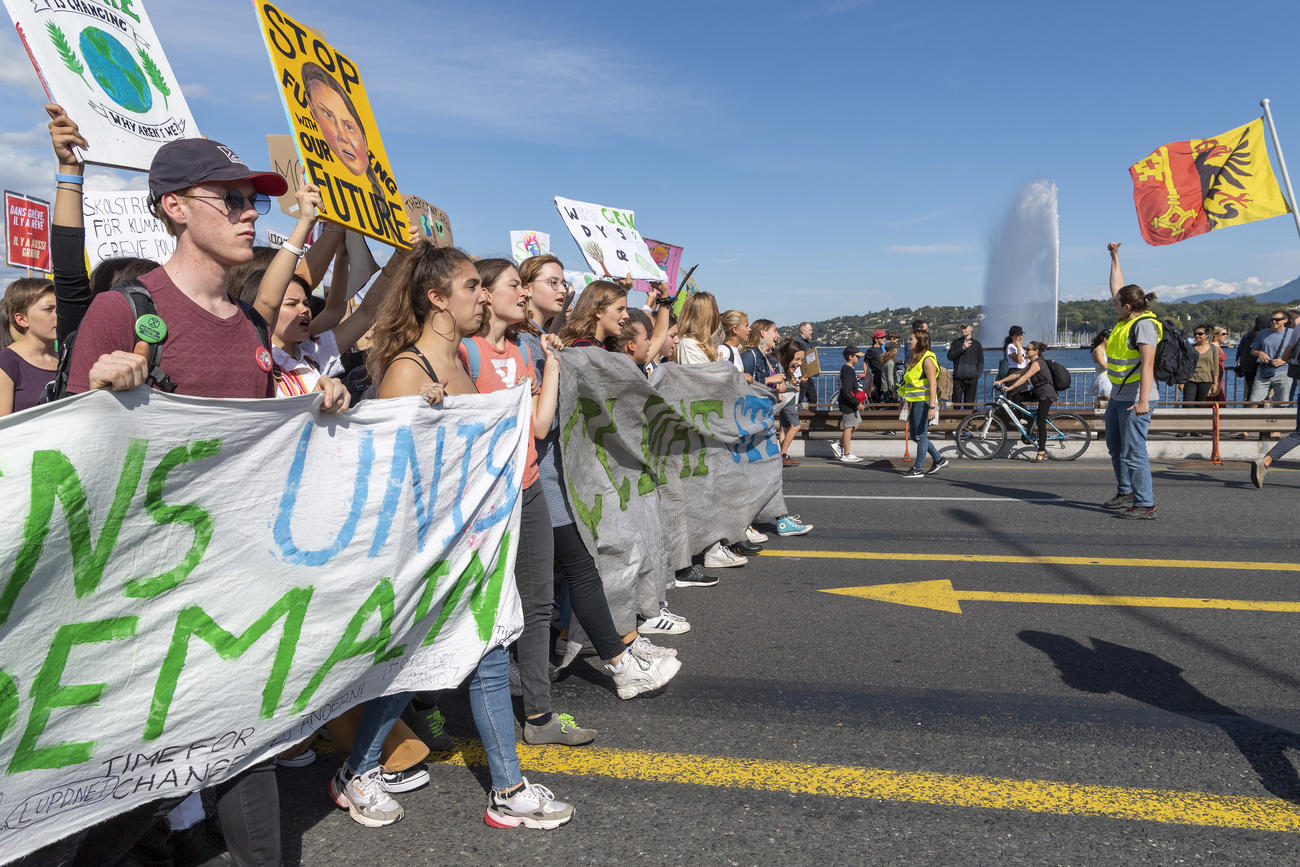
column 102, row 61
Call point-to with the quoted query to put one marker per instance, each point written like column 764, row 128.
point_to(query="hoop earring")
column 433, row 327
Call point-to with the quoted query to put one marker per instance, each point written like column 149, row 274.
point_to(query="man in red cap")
column 210, row 200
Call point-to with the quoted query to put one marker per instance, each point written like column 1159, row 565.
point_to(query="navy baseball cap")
column 185, row 162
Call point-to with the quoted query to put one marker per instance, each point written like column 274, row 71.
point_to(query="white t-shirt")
column 314, row 359
column 689, row 351
column 730, row 353
column 1012, row 351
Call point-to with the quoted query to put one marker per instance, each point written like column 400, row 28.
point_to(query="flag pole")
column 1281, row 162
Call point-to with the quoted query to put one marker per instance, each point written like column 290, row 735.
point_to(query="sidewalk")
column 1161, row 449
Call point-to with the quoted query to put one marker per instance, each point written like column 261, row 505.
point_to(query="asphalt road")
column 811, row 727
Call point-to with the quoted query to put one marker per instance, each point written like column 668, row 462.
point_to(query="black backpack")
column 137, row 295
column 1060, row 375
column 1175, row 358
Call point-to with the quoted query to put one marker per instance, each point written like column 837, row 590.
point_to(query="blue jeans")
column 1126, row 438
column 377, row 719
column 494, row 717
column 918, row 422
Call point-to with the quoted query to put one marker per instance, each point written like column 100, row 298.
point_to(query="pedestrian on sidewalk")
column 850, row 405
column 967, row 357
column 921, row 393
column 1130, row 365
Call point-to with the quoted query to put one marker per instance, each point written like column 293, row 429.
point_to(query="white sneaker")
column 755, row 537
column 639, row 674
column 667, row 623
column 850, row 458
column 644, row 649
column 837, row 450
column 365, row 798
column 532, row 806
column 721, row 557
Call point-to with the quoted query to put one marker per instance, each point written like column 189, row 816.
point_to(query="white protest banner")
column 659, row 469
column 526, row 244
column 189, row 585
column 120, row 224
column 103, row 63
column 609, row 240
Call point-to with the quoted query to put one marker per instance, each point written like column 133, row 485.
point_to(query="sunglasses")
column 237, row 202
column 1279, row 319
column 1198, row 333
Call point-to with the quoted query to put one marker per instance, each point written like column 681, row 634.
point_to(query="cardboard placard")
column 120, row 224
column 431, row 221
column 285, row 163
column 27, row 232
column 528, row 243
column 669, row 258
column 334, row 129
column 609, row 240
column 103, row 63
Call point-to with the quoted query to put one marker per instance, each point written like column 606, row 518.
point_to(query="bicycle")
column 982, row 435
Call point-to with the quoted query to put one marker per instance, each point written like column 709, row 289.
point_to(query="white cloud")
column 1249, row 286
column 196, row 91
column 16, row 71
column 930, row 249
column 27, row 162
column 912, row 221
column 109, row 181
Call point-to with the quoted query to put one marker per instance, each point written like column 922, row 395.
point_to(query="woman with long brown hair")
column 437, row 300
column 601, row 313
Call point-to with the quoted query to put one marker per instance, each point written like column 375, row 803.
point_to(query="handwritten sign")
column 528, row 243
column 334, row 129
column 104, row 64
column 431, row 221
column 609, row 240
column 120, row 224
column 27, row 232
column 669, row 258
column 203, row 582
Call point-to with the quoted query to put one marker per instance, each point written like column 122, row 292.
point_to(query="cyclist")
column 1039, row 377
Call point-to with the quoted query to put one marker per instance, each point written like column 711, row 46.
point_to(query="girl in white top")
column 696, row 328
column 1014, row 349
column 735, row 325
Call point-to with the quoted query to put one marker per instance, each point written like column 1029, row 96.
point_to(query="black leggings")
column 586, row 591
column 1042, row 423
column 1197, row 392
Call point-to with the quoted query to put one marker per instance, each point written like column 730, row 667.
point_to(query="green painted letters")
column 380, row 600
column 198, row 519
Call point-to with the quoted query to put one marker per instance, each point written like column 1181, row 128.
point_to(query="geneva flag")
column 1191, row 187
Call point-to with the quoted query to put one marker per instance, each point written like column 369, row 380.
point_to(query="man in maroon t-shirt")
column 205, row 196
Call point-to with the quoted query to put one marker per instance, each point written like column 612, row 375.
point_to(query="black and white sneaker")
column 414, row 777
column 934, row 468
column 914, row 473
column 694, row 576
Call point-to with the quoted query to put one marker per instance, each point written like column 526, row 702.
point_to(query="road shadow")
column 1107, row 667
column 1046, row 498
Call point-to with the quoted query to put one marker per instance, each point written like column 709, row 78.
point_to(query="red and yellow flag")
column 1192, row 187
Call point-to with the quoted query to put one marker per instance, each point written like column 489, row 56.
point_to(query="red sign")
column 27, row 232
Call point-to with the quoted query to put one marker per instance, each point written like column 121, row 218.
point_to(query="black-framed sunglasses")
column 1279, row 319
column 1198, row 333
column 237, row 202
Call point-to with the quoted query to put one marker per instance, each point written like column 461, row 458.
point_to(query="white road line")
column 945, row 499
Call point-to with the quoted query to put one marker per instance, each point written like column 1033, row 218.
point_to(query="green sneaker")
column 560, row 730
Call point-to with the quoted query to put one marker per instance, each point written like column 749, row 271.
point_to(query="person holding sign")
column 438, row 300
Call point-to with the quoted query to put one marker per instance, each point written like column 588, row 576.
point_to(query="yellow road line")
column 912, row 787
column 1040, row 560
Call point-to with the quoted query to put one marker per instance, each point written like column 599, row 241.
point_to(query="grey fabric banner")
column 659, row 469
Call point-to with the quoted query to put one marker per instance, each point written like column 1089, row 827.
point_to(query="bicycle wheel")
column 980, row 436
column 1068, row 436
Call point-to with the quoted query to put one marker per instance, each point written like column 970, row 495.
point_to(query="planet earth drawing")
column 116, row 70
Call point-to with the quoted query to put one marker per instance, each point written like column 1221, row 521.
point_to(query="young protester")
column 29, row 363
column 849, row 404
column 921, row 392
column 967, row 357
column 1130, row 365
column 735, row 327
column 209, row 200
column 1100, row 381
column 436, row 300
column 790, row 357
column 601, row 313
column 1039, row 378
column 543, row 544
column 697, row 328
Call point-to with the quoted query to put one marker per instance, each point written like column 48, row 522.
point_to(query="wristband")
column 297, row 251
column 61, row 178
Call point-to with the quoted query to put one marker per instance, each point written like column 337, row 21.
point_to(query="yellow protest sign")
column 334, row 129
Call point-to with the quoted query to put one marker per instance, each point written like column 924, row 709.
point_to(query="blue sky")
column 815, row 159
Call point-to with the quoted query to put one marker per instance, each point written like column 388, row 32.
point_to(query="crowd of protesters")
column 246, row 322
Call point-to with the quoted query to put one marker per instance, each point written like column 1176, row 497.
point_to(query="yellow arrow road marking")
column 914, row 787
column 1043, row 560
column 941, row 596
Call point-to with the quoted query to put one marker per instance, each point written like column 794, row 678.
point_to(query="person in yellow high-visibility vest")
column 1130, row 367
column 921, row 394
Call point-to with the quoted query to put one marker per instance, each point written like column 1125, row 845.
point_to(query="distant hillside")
column 1284, row 294
column 1236, row 312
